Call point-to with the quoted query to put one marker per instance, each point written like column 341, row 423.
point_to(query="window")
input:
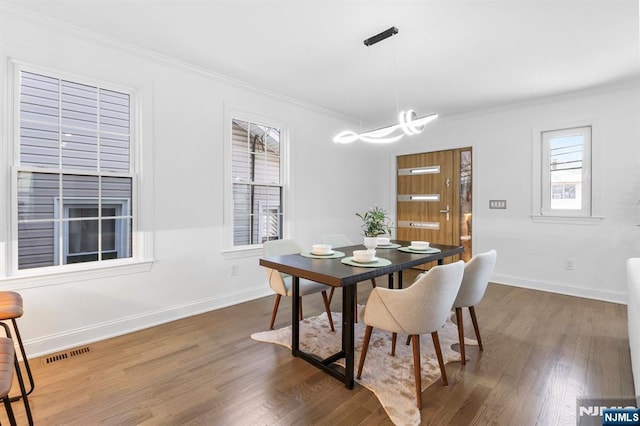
column 74, row 175
column 256, row 175
column 566, row 172
column 564, row 175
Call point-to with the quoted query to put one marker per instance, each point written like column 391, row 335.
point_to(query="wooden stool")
column 7, row 356
column 10, row 309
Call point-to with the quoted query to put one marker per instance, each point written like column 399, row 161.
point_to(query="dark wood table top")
column 334, row 273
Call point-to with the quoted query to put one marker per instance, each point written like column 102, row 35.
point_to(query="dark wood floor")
column 542, row 351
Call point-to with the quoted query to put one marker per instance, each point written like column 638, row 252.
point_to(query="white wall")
column 183, row 135
column 183, row 139
column 533, row 254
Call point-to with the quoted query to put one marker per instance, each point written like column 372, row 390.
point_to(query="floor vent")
column 80, row 351
column 61, row 356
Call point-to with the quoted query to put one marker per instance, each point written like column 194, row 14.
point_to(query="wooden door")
column 428, row 186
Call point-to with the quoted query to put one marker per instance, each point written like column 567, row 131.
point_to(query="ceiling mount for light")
column 379, row 37
column 408, row 121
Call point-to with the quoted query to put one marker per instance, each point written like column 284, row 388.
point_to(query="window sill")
column 33, row 279
column 241, row 252
column 568, row 220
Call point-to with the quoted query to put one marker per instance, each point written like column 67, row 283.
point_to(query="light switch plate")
column 497, row 204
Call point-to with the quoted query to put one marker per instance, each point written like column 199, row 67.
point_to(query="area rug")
column 389, row 378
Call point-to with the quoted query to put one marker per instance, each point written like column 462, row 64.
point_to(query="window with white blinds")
column 75, row 180
column 257, row 183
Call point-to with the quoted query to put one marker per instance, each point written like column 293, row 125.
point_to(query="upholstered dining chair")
column 474, row 283
column 421, row 308
column 341, row 240
column 281, row 283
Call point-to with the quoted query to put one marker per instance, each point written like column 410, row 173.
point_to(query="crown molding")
column 165, row 59
column 626, row 84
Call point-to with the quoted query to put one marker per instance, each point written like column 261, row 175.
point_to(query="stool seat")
column 10, row 305
column 8, row 362
column 7, row 353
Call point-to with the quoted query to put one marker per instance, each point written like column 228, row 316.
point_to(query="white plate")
column 385, row 245
column 418, row 249
column 323, row 254
column 375, row 259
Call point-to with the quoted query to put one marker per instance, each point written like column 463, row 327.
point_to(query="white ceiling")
column 450, row 56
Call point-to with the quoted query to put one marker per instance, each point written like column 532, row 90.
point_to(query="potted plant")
column 375, row 222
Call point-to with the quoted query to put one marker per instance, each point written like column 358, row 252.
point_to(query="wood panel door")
column 428, row 186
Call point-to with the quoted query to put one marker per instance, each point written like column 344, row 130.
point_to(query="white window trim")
column 74, row 202
column 538, row 214
column 141, row 123
column 263, row 209
column 232, row 112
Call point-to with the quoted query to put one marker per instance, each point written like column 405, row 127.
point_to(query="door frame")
column 455, row 208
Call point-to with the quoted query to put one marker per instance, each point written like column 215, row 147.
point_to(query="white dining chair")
column 421, row 308
column 474, row 284
column 281, row 283
column 336, row 240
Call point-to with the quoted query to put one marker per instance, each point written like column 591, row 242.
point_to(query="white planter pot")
column 371, row 242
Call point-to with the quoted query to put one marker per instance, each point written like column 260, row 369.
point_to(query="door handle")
column 446, row 211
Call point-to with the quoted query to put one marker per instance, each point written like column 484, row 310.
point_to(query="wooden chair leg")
column 331, row 294
column 408, row 340
column 394, row 336
column 275, row 311
column 363, row 352
column 373, row 282
column 416, row 369
column 436, row 345
column 461, row 335
column 327, row 309
column 474, row 320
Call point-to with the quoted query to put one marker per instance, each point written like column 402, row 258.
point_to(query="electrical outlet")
column 234, row 269
column 569, row 264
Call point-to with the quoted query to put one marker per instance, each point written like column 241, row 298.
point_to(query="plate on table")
column 387, row 246
column 375, row 263
column 430, row 250
column 335, row 254
column 323, row 254
column 375, row 259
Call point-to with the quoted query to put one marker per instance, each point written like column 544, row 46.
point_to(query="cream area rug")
column 389, row 378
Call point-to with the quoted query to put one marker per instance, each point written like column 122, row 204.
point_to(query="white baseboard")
column 101, row 331
column 566, row 289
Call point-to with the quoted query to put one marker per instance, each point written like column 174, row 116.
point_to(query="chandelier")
column 408, row 122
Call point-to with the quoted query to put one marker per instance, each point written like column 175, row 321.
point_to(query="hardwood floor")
column 542, row 351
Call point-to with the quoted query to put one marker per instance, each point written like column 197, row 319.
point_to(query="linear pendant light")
column 408, row 122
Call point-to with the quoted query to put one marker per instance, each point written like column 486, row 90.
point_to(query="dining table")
column 337, row 271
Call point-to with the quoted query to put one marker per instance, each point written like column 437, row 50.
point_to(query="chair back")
column 277, row 280
column 336, row 240
column 421, row 308
column 435, row 292
column 476, row 277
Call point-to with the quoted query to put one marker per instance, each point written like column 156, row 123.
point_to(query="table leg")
column 295, row 317
column 348, row 333
column 391, row 281
column 400, row 279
